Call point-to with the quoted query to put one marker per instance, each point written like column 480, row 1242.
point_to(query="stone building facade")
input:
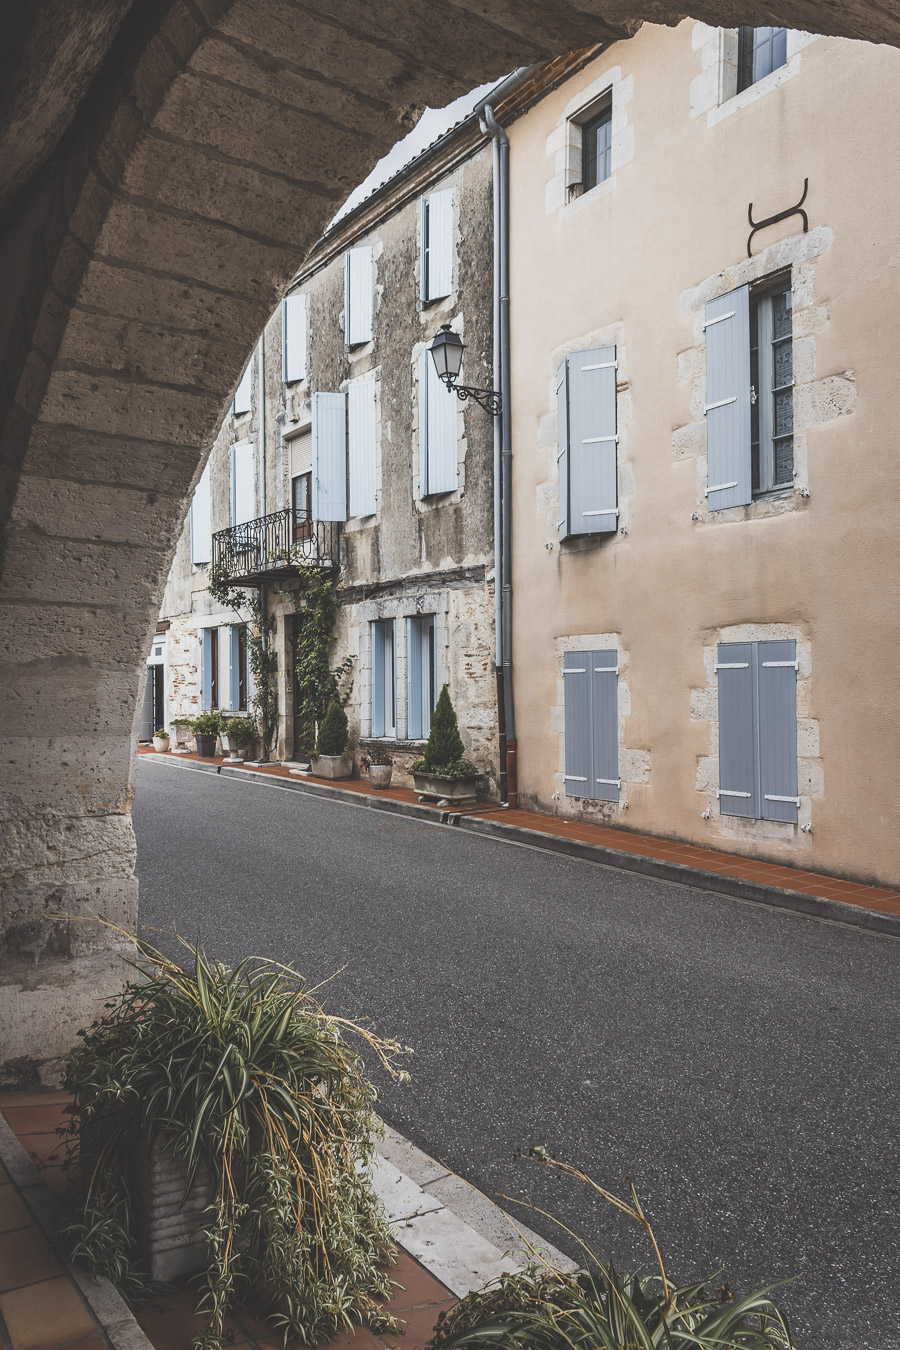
column 706, row 483
column 341, row 435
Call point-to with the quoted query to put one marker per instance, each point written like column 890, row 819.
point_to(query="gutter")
column 503, row 445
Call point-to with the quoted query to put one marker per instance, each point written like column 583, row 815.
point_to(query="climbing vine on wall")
column 261, row 655
column 318, row 682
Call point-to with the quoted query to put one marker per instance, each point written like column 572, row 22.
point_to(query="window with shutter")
column 237, row 667
column 438, row 425
column 728, row 466
column 361, row 429
column 293, row 334
column 243, row 393
column 358, row 295
column 201, row 521
column 591, row 687
column 757, row 684
column 384, row 694
column 210, row 674
column 437, row 245
column 772, row 393
column 329, row 457
column 421, row 681
column 243, row 483
column 586, row 402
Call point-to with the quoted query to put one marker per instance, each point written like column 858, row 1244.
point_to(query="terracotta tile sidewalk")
column 879, row 899
column 41, row 1307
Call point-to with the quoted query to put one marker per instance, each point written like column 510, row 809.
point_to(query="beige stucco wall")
column 635, row 262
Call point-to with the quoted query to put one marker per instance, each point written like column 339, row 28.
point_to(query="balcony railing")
column 276, row 547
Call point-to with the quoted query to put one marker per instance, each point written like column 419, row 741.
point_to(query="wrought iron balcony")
column 276, row 547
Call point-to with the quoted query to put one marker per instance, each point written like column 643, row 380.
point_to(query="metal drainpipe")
column 261, row 406
column 503, row 480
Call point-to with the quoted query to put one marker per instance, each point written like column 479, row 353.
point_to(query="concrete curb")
column 814, row 906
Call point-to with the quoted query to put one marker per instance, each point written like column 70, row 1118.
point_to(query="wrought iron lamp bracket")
column 489, row 399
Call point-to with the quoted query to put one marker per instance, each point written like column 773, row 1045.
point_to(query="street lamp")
column 447, row 352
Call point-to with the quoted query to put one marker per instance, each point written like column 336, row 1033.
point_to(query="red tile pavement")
column 41, row 1308
column 880, row 899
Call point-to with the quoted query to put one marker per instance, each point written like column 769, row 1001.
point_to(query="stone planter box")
column 236, row 753
column 332, row 766
column 182, row 744
column 169, row 1233
column 380, row 775
column 445, row 789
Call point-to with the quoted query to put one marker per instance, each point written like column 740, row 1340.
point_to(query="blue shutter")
column 738, row 784
column 243, row 482
column 728, row 400
column 243, row 393
column 233, row 668
column 206, row 669
column 378, row 690
column 562, row 441
column 592, row 442
column 438, row 426
column 329, row 462
column 414, row 661
column 777, row 682
column 293, row 334
column 358, row 295
column 604, row 675
column 201, row 521
column 577, row 687
column 438, row 224
column 361, row 446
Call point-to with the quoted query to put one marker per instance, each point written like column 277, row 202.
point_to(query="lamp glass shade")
column 447, row 350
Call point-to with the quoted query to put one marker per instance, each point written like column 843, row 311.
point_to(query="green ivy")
column 320, row 684
column 261, row 654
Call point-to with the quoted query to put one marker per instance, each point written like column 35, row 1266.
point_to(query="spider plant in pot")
column 331, row 758
column 160, row 740
column 379, row 765
column 443, row 772
column 238, row 734
column 244, row 1082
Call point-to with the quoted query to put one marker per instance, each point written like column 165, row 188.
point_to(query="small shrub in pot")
column 237, row 734
column 160, row 740
column 379, row 764
column 206, row 730
column 443, row 771
column 334, row 733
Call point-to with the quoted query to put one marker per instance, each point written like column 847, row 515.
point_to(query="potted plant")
column 182, row 729
column 160, row 740
column 444, row 773
column 255, row 1101
column 331, row 759
column 379, row 764
column 237, row 735
column 206, row 730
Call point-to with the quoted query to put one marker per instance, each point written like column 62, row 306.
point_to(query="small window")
column 301, row 500
column 760, row 51
column 384, row 685
column 244, row 393
column 596, row 148
column 437, row 246
column 422, row 676
column 209, row 669
column 771, row 393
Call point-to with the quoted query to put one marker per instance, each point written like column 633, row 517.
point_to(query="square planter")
column 332, row 766
column 446, row 789
column 169, row 1225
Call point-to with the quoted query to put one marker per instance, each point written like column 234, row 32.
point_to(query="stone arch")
column 167, row 168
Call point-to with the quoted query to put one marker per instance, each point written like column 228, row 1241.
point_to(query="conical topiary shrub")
column 333, row 732
column 445, row 745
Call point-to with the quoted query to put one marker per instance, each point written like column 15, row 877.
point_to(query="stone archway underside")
column 165, row 168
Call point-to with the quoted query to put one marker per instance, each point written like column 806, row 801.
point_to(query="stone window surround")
column 714, row 91
column 564, row 143
column 704, row 706
column 634, row 765
column 548, row 426
column 399, row 608
column 436, row 502
column 816, row 400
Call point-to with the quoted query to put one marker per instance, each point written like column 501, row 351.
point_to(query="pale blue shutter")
column 777, row 682
column 243, row 483
column 206, row 669
column 604, row 673
column 361, row 446
column 592, row 442
column 201, row 521
column 234, row 702
column 562, row 441
column 358, row 295
column 243, row 393
column 223, row 666
column 738, row 787
column 329, row 458
column 728, row 467
column 414, row 660
column 439, row 252
column 438, row 425
column 378, row 690
column 577, row 687
column 293, row 333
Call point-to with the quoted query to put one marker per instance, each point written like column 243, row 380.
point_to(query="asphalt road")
column 738, row 1062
